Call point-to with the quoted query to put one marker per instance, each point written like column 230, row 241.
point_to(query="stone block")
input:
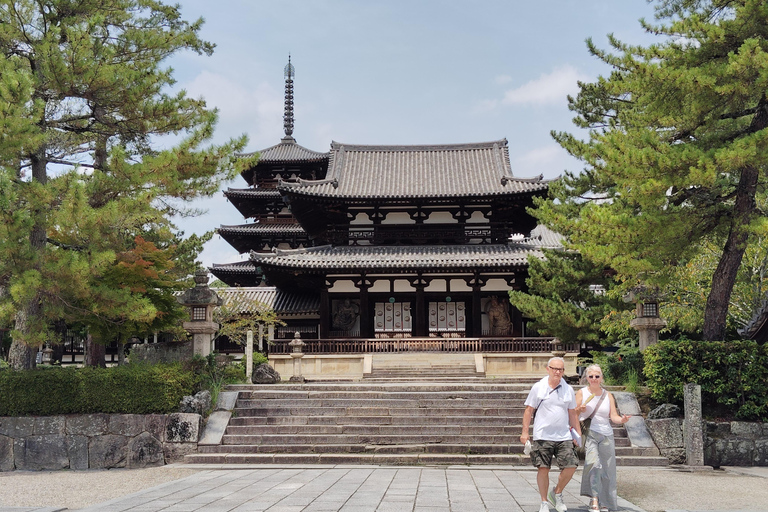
column 175, row 452
column 665, row 411
column 107, row 451
column 746, row 430
column 8, row 426
column 718, row 429
column 729, row 452
column 77, row 451
column 36, row 453
column 87, row 424
column 182, row 428
column 674, row 455
column 155, row 425
column 46, row 425
column 667, row 433
column 6, row 453
column 22, row 426
column 761, row 452
column 145, row 450
column 130, row 425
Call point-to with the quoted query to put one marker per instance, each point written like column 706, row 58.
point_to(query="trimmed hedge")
column 733, row 375
column 130, row 389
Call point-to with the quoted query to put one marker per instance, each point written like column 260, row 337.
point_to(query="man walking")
column 554, row 403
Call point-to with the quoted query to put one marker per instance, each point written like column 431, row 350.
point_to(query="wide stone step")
column 283, row 421
column 487, row 385
column 282, row 396
column 378, row 411
column 377, row 439
column 484, row 448
column 457, row 402
column 387, row 459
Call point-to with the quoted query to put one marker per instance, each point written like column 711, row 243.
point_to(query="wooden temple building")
column 388, row 248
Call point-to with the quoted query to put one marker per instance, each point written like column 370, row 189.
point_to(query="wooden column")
column 420, row 314
column 366, row 315
column 325, row 312
column 477, row 311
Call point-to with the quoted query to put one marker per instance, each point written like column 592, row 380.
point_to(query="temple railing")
column 378, row 345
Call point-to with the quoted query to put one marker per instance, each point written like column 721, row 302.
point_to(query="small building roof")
column 288, row 151
column 264, row 227
column 412, row 257
column 253, row 299
column 427, row 171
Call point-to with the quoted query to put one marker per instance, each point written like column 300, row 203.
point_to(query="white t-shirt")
column 551, row 422
column 601, row 422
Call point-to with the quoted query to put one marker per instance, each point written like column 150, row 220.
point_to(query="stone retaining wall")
column 96, row 441
column 734, row 443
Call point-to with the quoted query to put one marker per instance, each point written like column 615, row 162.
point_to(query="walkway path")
column 416, row 489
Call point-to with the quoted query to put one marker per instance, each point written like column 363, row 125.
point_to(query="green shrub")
column 733, row 375
column 130, row 389
column 622, row 368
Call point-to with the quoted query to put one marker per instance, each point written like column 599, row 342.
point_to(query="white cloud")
column 549, row 89
column 256, row 111
column 549, row 160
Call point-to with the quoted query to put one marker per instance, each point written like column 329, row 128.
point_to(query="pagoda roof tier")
column 252, row 202
column 240, row 273
column 244, row 237
column 254, row 299
column 435, row 258
column 363, row 172
column 287, row 152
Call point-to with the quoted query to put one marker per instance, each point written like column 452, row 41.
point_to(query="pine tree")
column 566, row 298
column 81, row 177
column 676, row 152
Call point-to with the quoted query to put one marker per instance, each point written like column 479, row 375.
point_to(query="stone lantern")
column 201, row 300
column 647, row 320
column 297, row 346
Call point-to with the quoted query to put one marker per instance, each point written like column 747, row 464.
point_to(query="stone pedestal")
column 648, row 329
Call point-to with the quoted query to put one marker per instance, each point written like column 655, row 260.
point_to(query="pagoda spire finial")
column 288, row 115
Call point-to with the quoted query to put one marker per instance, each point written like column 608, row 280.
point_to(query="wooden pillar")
column 325, row 312
column 366, row 315
column 420, row 308
column 477, row 311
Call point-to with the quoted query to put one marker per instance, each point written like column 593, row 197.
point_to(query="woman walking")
column 598, row 478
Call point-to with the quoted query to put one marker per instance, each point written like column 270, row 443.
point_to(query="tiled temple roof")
column 385, row 258
column 263, row 227
column 428, row 171
column 288, row 151
column 252, row 193
column 252, row 299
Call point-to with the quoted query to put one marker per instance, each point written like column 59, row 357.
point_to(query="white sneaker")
column 556, row 501
column 544, row 507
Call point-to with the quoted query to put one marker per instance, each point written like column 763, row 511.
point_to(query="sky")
column 398, row 72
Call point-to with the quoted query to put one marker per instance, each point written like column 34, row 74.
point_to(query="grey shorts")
column 563, row 452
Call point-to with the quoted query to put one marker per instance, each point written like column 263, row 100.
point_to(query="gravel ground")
column 652, row 489
column 79, row 489
column 659, row 489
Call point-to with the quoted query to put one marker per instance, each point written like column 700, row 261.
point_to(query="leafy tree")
column 566, row 298
column 676, row 152
column 84, row 95
column 235, row 320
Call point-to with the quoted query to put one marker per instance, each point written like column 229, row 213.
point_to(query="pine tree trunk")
column 744, row 209
column 95, row 353
column 21, row 356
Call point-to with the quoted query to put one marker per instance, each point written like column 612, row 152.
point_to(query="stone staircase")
column 389, row 419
